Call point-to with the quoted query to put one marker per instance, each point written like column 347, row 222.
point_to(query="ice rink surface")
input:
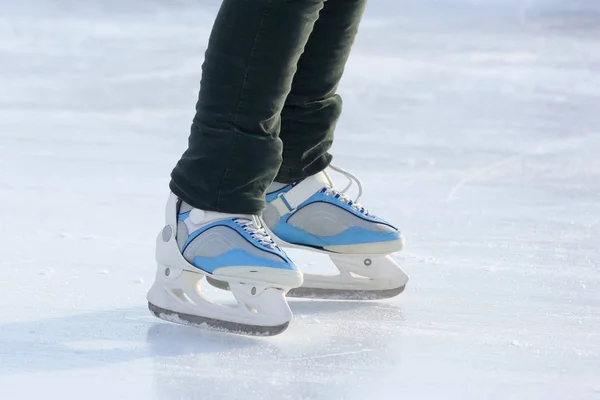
column 474, row 125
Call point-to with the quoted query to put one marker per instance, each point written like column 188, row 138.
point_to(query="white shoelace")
column 341, row 195
column 255, row 229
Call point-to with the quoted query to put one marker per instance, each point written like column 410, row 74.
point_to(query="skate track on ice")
column 474, row 125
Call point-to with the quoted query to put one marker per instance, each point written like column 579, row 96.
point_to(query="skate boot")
column 313, row 215
column 234, row 249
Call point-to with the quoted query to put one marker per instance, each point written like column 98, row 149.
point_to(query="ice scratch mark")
column 347, row 353
column 557, row 147
column 480, row 172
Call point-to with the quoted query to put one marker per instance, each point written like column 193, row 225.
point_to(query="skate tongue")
column 197, row 216
column 321, row 179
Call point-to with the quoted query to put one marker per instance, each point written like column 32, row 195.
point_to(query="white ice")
column 474, row 125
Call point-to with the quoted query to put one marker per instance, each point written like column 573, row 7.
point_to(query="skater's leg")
column 309, row 116
column 234, row 150
column 233, row 155
column 304, row 208
column 313, row 107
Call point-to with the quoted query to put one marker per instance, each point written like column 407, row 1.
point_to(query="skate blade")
column 341, row 294
column 219, row 325
column 328, row 294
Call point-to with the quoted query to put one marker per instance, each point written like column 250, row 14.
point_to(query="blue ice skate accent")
column 183, row 216
column 238, row 257
column 352, row 236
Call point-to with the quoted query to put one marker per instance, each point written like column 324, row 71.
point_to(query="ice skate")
column 313, row 215
column 235, row 249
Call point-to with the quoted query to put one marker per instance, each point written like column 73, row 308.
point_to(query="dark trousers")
column 267, row 106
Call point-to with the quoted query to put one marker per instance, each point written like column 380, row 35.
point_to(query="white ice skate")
column 234, row 249
column 313, row 215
